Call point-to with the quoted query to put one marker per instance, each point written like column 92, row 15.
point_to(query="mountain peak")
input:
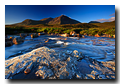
column 63, row 15
column 63, row 19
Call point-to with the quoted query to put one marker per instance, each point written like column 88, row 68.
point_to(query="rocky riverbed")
column 53, row 64
column 55, row 57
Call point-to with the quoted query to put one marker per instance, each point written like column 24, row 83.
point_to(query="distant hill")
column 105, row 24
column 94, row 22
column 58, row 20
column 29, row 22
column 63, row 20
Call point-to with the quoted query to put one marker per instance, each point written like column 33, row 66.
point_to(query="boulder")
column 47, row 41
column 110, row 36
column 33, row 35
column 113, row 36
column 50, row 41
column 29, row 67
column 83, row 36
column 11, row 37
column 18, row 40
column 41, row 33
column 52, row 33
column 89, row 35
column 65, row 35
column 107, row 35
column 97, row 35
column 8, row 42
column 65, row 38
column 79, row 35
column 72, row 33
column 23, row 35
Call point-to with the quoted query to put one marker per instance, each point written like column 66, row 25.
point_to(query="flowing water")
column 98, row 48
column 101, row 48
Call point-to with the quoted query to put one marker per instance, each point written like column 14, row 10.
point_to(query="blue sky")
column 82, row 13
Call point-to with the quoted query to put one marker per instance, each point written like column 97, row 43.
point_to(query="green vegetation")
column 82, row 28
column 93, row 31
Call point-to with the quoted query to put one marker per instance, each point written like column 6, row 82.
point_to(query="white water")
column 102, row 49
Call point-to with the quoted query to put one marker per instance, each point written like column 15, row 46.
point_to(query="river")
column 100, row 48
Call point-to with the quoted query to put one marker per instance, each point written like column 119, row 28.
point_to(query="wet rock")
column 52, row 77
column 44, row 72
column 109, row 64
column 44, row 62
column 79, row 35
column 27, row 71
column 110, row 36
column 78, row 76
column 8, row 75
column 72, row 33
column 41, row 33
column 47, row 41
column 75, row 52
column 68, row 52
column 95, row 73
column 65, row 35
column 11, row 38
column 65, row 38
column 97, row 35
column 101, row 77
column 91, row 76
column 8, row 42
column 58, row 65
column 29, row 67
column 18, row 40
column 92, row 66
column 41, row 74
column 83, row 36
column 23, row 35
column 113, row 36
column 34, row 35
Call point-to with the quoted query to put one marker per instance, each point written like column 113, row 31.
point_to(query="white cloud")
column 106, row 20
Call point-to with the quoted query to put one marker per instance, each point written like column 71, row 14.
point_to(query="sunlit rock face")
column 53, row 64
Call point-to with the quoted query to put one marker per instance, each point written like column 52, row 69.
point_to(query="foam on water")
column 59, row 42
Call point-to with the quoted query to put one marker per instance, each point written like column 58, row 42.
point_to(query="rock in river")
column 33, row 35
column 8, row 42
column 18, row 40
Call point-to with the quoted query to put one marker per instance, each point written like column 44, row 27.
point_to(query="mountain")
column 29, row 22
column 63, row 20
column 46, row 20
column 94, row 22
column 58, row 20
